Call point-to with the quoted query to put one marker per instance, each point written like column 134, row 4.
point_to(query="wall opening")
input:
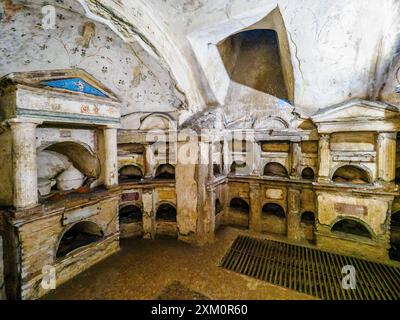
column 165, row 172
column 351, row 227
column 351, row 174
column 130, row 214
column 239, row 167
column 239, row 205
column 273, row 210
column 274, row 169
column 307, row 223
column 394, row 251
column 308, row 174
column 166, row 212
column 274, row 219
column 130, row 173
column 253, row 58
column 216, row 170
column 80, row 235
column 218, row 207
column 308, row 218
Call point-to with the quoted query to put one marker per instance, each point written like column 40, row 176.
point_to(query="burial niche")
column 130, row 214
column 274, row 169
column 351, row 174
column 351, row 227
column 165, row 172
column 166, row 212
column 79, row 235
column 130, row 173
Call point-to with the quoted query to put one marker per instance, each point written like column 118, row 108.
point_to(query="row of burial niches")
column 68, row 161
column 146, row 162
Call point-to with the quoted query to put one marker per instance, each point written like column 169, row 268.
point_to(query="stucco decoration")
column 138, row 80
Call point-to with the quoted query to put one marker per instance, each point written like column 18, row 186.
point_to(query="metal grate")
column 311, row 271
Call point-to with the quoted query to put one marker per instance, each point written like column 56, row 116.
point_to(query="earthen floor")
column 143, row 269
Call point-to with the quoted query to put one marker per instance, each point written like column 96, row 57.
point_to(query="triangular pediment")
column 356, row 110
column 74, row 81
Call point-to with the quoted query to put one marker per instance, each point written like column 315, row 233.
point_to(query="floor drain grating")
column 311, row 271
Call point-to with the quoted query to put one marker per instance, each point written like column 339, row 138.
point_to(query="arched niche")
column 239, row 205
column 351, row 227
column 130, row 214
column 80, row 155
column 308, row 218
column 274, row 169
column 157, row 122
column 130, row 173
column 308, row 174
column 166, row 212
column 165, row 172
column 351, row 174
column 274, row 219
column 79, row 235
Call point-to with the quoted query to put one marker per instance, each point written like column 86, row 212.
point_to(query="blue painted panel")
column 74, row 84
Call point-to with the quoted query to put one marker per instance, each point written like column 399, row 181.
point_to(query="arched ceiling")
column 339, row 50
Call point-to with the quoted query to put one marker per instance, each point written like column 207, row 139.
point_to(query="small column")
column 211, row 161
column 295, row 159
column 255, row 208
column 25, row 191
column 293, row 214
column 149, row 216
column 386, row 157
column 324, row 158
column 226, row 157
column 256, row 158
column 209, row 215
column 149, row 161
column 110, row 157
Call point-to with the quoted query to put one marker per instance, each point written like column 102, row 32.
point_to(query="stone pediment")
column 353, row 110
column 358, row 115
column 62, row 96
column 73, row 81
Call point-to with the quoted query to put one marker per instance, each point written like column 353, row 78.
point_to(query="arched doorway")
column 130, row 221
column 274, row 219
column 166, row 212
column 166, row 224
column 239, row 211
column 307, row 223
column 79, row 235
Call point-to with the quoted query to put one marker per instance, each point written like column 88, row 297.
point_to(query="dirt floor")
column 146, row 269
